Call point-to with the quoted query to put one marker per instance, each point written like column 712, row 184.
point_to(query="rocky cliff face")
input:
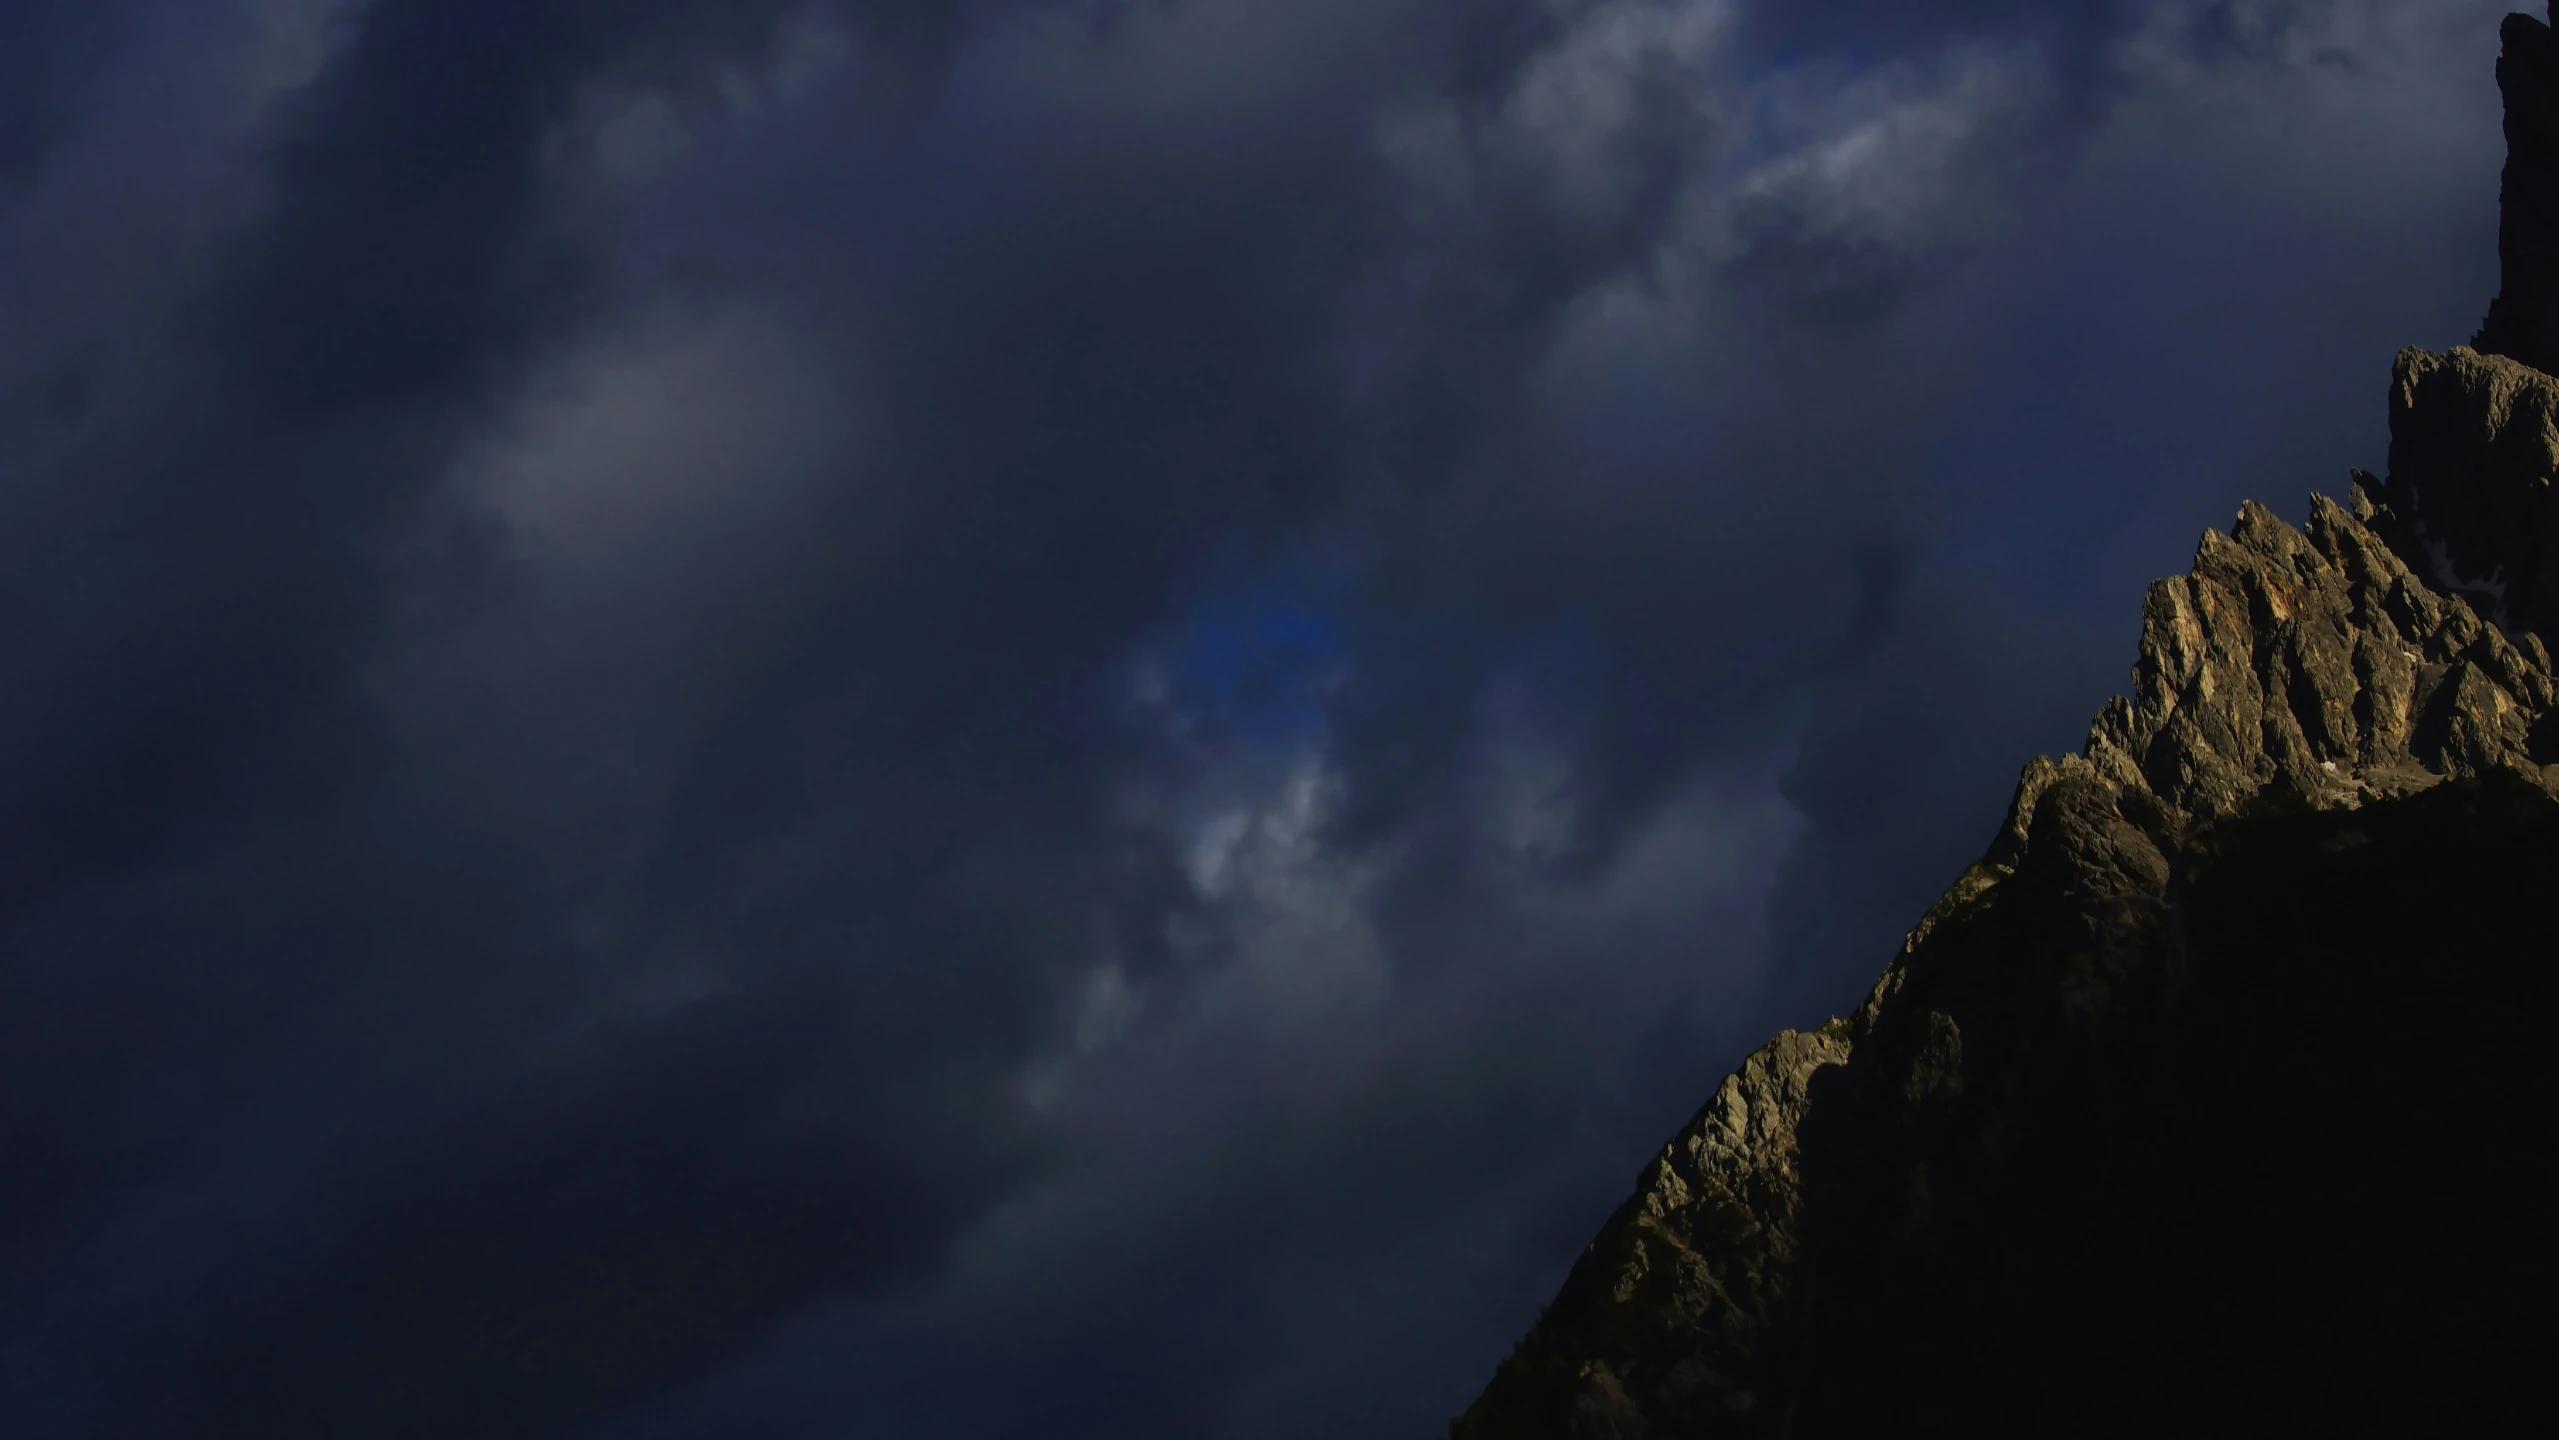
column 2212, row 1098
column 2474, row 447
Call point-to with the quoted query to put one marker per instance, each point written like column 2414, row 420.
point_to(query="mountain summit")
column 2214, row 1098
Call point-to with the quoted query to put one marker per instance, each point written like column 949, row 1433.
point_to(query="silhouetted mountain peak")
column 2207, row 1101
column 2523, row 319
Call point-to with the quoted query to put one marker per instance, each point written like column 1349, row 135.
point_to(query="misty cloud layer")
column 1058, row 718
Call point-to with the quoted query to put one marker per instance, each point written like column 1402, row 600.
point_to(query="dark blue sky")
column 1076, row 719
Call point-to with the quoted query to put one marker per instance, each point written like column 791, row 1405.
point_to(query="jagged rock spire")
column 2523, row 321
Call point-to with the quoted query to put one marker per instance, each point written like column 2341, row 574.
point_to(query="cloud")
column 733, row 716
column 54, row 51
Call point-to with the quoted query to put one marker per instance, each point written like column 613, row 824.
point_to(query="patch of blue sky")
column 1258, row 654
column 1777, row 84
column 1265, row 660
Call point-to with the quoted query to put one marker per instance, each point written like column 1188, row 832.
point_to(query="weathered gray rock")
column 2319, row 664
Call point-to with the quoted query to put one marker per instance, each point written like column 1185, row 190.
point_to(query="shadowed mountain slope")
column 2213, row 1098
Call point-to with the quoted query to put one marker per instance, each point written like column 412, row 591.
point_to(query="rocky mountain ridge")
column 2118, row 1143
